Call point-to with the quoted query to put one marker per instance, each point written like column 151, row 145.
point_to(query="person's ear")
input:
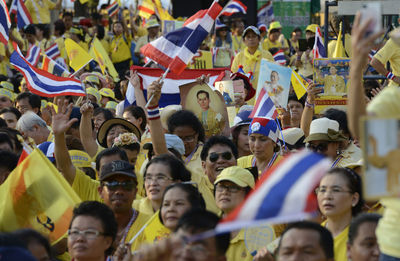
column 355, row 199
column 100, row 191
column 36, row 110
column 203, row 165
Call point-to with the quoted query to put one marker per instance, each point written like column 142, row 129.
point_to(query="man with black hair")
column 27, row 101
column 212, row 121
column 8, row 162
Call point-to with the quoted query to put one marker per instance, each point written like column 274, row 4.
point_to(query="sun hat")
column 152, row 23
column 117, row 167
column 274, row 26
column 266, row 127
column 240, row 176
column 107, row 92
column 93, row 91
column 167, row 112
column 108, row 124
column 293, row 137
column 312, row 28
column 80, row 158
column 251, row 28
column 7, row 93
column 172, row 141
column 111, row 105
column 325, row 129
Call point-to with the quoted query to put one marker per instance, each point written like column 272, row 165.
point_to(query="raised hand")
column 312, row 92
column 134, row 79
column 60, row 120
column 204, row 79
column 154, row 92
column 87, row 109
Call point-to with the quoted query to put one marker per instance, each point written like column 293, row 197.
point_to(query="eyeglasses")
column 321, row 147
column 334, row 190
column 114, row 185
column 230, row 189
column 190, row 138
column 214, row 156
column 158, row 178
column 88, row 234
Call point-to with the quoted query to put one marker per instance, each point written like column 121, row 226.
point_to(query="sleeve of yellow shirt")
column 85, row 187
column 267, row 55
column 386, row 52
column 386, row 103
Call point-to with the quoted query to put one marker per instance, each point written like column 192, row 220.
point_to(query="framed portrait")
column 332, row 75
column 208, row 105
column 276, row 80
column 381, row 148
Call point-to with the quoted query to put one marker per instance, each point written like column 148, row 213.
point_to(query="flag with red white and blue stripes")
column 53, row 52
column 234, row 6
column 23, row 16
column 265, row 13
column 5, row 22
column 284, row 193
column 33, row 54
column 280, row 57
column 43, row 83
column 177, row 48
column 264, row 106
column 319, row 48
column 112, row 9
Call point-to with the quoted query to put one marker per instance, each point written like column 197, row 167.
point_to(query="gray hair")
column 28, row 120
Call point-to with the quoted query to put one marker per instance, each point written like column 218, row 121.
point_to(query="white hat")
column 325, row 129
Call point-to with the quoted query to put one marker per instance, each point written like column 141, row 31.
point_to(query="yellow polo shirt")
column 237, row 249
column 268, row 44
column 134, row 229
column 39, row 10
column 85, row 187
column 237, row 43
column 340, row 244
column 120, row 48
column 390, row 52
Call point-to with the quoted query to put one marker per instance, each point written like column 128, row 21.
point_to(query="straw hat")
column 107, row 125
column 325, row 129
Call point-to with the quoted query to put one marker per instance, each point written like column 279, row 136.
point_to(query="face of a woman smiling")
column 114, row 132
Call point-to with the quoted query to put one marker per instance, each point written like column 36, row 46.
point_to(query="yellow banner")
column 78, row 57
column 102, row 58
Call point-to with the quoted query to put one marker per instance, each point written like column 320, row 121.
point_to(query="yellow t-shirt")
column 386, row 103
column 251, row 63
column 340, row 244
column 85, row 187
column 39, row 10
column 281, row 43
column 120, row 48
column 134, row 229
column 237, row 43
column 237, row 249
column 390, row 52
column 194, row 164
column 306, row 68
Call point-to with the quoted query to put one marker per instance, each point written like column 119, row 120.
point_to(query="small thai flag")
column 33, row 54
column 280, row 57
column 113, row 9
column 264, row 107
column 53, row 52
column 234, row 6
column 5, row 22
column 23, row 16
column 319, row 48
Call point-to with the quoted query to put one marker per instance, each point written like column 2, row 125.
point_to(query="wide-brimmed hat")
column 293, row 137
column 107, row 125
column 325, row 129
column 166, row 112
column 240, row 176
column 274, row 26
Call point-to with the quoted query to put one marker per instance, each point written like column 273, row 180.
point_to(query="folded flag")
column 35, row 195
column 264, row 107
column 299, row 84
column 112, row 9
column 234, row 6
column 23, row 16
column 5, row 22
column 170, row 91
column 43, row 83
column 53, row 52
column 283, row 194
column 33, row 54
column 176, row 49
column 280, row 58
column 319, row 48
column 53, row 67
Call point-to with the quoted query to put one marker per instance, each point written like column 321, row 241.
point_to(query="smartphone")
column 303, row 45
column 373, row 11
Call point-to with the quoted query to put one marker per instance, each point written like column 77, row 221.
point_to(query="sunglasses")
column 214, row 156
column 125, row 185
column 322, row 147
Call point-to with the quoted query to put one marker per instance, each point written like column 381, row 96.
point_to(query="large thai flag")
column 43, row 83
column 177, row 48
column 234, row 6
column 170, row 91
column 13, row 7
column 265, row 13
column 5, row 22
column 264, row 107
column 23, row 16
column 319, row 48
column 280, row 58
column 113, row 9
column 285, row 193
column 33, row 54
column 53, row 52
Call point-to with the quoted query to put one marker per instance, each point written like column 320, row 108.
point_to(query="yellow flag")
column 339, row 49
column 83, row 1
column 35, row 195
column 163, row 14
column 146, row 9
column 155, row 231
column 299, row 84
column 99, row 59
column 78, row 57
column 102, row 58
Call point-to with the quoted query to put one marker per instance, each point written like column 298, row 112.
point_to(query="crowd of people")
column 141, row 168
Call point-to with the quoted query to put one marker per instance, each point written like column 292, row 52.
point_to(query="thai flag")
column 371, row 54
column 33, row 54
column 13, row 7
column 280, row 57
column 319, row 48
column 43, row 83
column 170, row 91
column 234, row 6
column 284, row 193
column 5, row 22
column 264, row 107
column 53, row 52
column 53, row 67
column 177, row 48
column 113, row 9
column 23, row 16
column 265, row 13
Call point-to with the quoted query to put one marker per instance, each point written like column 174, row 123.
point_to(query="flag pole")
column 162, row 79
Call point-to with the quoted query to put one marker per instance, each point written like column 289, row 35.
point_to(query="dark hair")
column 67, row 14
column 59, row 26
column 199, row 220
column 11, row 240
column 358, row 221
column 176, row 167
column 235, row 133
column 33, row 99
column 193, row 195
column 325, row 237
column 218, row 140
column 293, row 97
column 110, row 152
column 4, row 138
column 297, row 29
column 73, row 143
column 13, row 135
column 11, row 110
column 81, row 36
column 29, row 236
column 339, row 116
column 3, row 123
column 101, row 212
column 138, row 112
column 8, row 160
column 354, row 183
column 100, row 32
column 96, row 16
column 132, row 147
column 107, row 114
column 45, row 28
column 203, row 91
column 30, row 29
column 186, row 118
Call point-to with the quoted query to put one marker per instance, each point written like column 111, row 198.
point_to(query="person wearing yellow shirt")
column 120, row 48
column 153, row 30
column 30, row 37
column 237, row 40
column 294, row 41
column 390, row 52
column 275, row 38
column 3, row 62
column 222, row 43
column 250, row 57
column 304, row 59
column 77, row 34
column 335, row 25
column 333, row 83
column 39, row 10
